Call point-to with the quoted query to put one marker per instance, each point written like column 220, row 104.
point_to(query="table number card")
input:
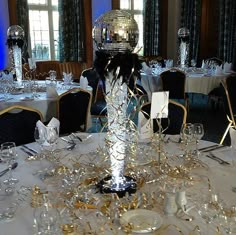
column 159, row 105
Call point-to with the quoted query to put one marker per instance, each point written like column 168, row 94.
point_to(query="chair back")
column 214, row 61
column 17, row 124
column 73, row 109
column 177, row 116
column 174, row 81
column 93, row 80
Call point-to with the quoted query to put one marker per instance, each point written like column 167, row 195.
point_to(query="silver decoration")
column 183, row 57
column 115, row 31
column 15, row 32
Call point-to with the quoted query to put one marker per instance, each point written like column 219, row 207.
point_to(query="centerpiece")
column 15, row 43
column 116, row 35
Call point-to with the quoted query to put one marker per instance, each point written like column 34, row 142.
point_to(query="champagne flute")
column 8, row 152
column 198, row 132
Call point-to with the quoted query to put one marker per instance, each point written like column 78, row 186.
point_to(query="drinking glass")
column 8, row 153
column 52, row 136
column 198, row 132
column 187, row 136
column 40, row 138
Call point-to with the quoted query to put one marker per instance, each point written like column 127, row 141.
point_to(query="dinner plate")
column 141, row 221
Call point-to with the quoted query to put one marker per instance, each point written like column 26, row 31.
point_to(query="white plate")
column 141, row 221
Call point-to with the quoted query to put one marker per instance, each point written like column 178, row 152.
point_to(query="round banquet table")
column 43, row 102
column 222, row 180
column 195, row 83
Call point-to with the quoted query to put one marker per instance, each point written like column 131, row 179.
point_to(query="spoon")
column 12, row 167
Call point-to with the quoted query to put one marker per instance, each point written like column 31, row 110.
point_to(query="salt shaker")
column 170, row 206
column 181, row 200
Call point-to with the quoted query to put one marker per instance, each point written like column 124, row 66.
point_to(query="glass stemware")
column 187, row 136
column 8, row 153
column 198, row 132
column 52, row 136
column 40, row 138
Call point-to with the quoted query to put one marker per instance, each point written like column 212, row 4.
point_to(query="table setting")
column 181, row 193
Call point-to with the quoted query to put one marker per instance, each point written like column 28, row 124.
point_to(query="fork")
column 219, row 160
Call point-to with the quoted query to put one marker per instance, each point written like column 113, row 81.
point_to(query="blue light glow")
column 4, row 24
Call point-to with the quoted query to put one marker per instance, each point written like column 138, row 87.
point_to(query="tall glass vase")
column 183, row 35
column 118, row 138
column 17, row 56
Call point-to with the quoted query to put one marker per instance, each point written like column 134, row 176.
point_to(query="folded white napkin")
column 44, row 130
column 169, row 63
column 218, row 70
column 146, row 69
column 232, row 132
column 83, row 82
column 145, row 130
column 227, row 67
column 51, row 92
column 67, row 78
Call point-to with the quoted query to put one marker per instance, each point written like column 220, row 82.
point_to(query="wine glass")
column 40, row 137
column 198, row 132
column 8, row 153
column 52, row 136
column 187, row 136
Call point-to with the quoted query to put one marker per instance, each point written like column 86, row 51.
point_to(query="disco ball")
column 115, row 31
column 183, row 32
column 15, row 32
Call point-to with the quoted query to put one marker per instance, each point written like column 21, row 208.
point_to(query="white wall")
column 174, row 12
column 4, row 24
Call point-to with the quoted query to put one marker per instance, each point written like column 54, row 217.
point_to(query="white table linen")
column 222, row 179
column 46, row 105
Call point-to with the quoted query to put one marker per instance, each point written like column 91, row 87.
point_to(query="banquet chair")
column 229, row 85
column 173, row 80
column 213, row 61
column 98, row 106
column 17, row 124
column 73, row 108
column 153, row 60
column 177, row 116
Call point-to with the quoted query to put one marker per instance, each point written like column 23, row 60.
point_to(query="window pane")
column 39, row 33
column 125, row 4
column 138, row 5
column 37, row 2
column 55, row 2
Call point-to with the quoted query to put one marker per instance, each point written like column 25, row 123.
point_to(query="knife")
column 26, row 151
column 214, row 148
column 12, row 167
column 30, row 149
column 214, row 157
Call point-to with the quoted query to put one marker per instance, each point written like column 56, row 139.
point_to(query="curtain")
column 71, row 30
column 227, row 31
column 151, row 28
column 22, row 12
column 191, row 19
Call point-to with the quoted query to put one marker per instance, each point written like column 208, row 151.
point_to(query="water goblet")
column 40, row 138
column 198, row 132
column 52, row 136
column 8, row 153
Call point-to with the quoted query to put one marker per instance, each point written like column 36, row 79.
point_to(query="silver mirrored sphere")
column 183, row 32
column 115, row 31
column 15, row 32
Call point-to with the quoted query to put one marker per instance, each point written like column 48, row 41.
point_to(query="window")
column 137, row 11
column 44, row 29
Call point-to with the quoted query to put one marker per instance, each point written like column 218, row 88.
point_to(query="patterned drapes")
column 191, row 19
column 151, row 28
column 71, row 30
column 227, row 31
column 22, row 11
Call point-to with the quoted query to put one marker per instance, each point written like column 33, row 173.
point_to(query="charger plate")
column 141, row 221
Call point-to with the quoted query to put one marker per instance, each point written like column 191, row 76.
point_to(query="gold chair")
column 17, row 124
column 73, row 109
column 229, row 85
column 177, row 116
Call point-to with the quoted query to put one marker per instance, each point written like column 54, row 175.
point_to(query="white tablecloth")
column 195, row 83
column 222, row 180
column 47, row 106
